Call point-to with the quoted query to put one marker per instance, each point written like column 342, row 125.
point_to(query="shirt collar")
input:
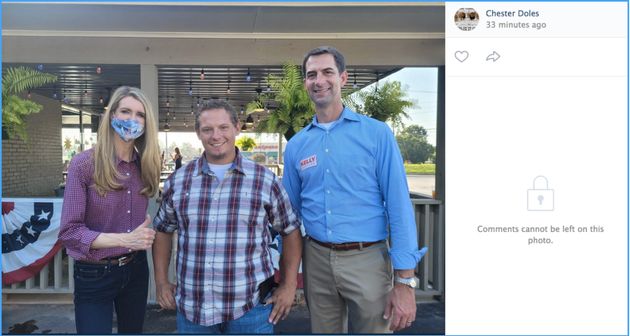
column 203, row 168
column 134, row 157
column 346, row 114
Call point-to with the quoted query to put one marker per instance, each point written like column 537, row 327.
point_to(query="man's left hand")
column 282, row 300
column 401, row 307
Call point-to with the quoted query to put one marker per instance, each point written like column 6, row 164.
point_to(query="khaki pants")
column 347, row 285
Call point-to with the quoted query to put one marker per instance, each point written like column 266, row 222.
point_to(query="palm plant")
column 246, row 143
column 295, row 109
column 386, row 103
column 15, row 109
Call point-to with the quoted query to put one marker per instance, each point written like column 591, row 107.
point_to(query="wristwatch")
column 411, row 282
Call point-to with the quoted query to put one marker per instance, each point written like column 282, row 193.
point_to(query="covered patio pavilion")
column 163, row 48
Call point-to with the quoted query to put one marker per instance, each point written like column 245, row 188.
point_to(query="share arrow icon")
column 494, row 56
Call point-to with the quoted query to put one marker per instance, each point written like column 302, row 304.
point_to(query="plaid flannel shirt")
column 223, row 235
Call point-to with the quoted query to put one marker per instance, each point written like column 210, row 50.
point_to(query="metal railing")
column 57, row 276
column 430, row 226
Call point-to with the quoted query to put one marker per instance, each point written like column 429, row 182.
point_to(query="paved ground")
column 59, row 319
column 424, row 184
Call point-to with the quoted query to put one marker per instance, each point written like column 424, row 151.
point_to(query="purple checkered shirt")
column 85, row 213
column 223, row 235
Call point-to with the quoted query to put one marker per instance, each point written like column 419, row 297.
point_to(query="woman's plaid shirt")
column 223, row 235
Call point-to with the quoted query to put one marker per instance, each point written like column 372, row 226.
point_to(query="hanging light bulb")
column 168, row 102
column 268, row 88
column 99, row 69
column 185, row 124
column 190, row 92
column 228, row 88
column 355, row 85
column 100, row 99
column 202, row 76
column 242, row 109
column 85, row 92
column 248, row 77
column 55, row 95
column 29, row 94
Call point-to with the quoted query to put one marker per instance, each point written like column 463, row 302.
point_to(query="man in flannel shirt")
column 221, row 205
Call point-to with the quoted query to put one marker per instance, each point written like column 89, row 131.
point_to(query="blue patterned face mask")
column 127, row 129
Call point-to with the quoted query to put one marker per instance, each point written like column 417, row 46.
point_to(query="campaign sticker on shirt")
column 310, row 161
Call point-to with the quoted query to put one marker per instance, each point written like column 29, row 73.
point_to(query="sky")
column 421, row 87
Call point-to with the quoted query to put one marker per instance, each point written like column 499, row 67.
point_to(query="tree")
column 294, row 107
column 386, row 103
column 246, row 143
column 188, row 151
column 413, row 144
column 15, row 109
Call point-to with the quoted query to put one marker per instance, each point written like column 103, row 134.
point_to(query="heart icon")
column 461, row 55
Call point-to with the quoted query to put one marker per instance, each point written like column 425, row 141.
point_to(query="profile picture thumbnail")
column 466, row 19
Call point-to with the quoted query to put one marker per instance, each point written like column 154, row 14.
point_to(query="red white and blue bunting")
column 29, row 236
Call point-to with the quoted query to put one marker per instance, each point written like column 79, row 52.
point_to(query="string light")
column 99, row 69
column 249, row 76
column 202, row 76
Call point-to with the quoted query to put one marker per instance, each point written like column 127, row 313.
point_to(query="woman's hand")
column 141, row 238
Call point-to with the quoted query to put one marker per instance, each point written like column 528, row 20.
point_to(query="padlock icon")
column 540, row 199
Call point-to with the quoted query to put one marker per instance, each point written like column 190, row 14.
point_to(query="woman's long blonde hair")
column 106, row 176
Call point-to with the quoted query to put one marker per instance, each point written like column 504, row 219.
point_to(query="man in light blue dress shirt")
column 345, row 175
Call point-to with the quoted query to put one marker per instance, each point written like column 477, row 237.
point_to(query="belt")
column 121, row 260
column 345, row 246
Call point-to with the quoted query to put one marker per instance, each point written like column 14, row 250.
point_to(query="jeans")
column 254, row 321
column 99, row 289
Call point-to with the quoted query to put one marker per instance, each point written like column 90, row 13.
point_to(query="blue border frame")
column 411, row 1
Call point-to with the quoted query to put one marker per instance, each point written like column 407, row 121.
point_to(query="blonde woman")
column 104, row 221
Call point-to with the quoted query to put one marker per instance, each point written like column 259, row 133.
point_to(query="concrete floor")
column 59, row 319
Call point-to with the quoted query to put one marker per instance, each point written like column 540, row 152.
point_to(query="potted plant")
column 293, row 108
column 15, row 109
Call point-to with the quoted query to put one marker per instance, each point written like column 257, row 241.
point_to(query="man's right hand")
column 166, row 295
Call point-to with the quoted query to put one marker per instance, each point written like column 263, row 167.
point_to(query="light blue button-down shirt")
column 348, row 182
